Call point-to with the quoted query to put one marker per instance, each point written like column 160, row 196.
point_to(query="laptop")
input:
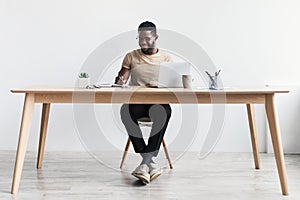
column 170, row 74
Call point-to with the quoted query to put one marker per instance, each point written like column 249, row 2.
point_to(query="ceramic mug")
column 187, row 81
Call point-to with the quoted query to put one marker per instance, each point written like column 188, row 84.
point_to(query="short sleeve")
column 165, row 57
column 168, row 58
column 127, row 61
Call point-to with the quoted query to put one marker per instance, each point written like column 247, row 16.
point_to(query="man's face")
column 147, row 41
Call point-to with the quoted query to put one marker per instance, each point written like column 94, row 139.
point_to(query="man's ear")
column 156, row 37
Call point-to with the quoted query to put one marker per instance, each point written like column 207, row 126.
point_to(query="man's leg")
column 130, row 113
column 160, row 115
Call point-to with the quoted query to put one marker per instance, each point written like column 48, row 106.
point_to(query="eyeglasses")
column 147, row 39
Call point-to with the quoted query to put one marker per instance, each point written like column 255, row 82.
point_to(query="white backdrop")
column 46, row 42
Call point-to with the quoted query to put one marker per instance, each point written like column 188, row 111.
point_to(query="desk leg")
column 43, row 133
column 276, row 140
column 252, row 126
column 23, row 139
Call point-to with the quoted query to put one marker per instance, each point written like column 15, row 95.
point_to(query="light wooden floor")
column 221, row 176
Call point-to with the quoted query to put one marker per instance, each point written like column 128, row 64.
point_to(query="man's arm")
column 123, row 76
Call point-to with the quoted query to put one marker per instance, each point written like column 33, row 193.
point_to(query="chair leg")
column 167, row 153
column 125, row 152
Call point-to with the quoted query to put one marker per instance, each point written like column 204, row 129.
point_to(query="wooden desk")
column 135, row 95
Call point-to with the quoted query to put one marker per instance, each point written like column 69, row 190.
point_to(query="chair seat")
column 145, row 121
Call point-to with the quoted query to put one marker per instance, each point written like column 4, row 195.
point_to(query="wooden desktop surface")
column 135, row 94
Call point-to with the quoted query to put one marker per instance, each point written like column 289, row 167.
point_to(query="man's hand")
column 120, row 80
column 123, row 76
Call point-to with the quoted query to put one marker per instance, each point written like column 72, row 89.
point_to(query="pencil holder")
column 213, row 83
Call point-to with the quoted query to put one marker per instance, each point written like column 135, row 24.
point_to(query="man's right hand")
column 123, row 76
column 120, row 80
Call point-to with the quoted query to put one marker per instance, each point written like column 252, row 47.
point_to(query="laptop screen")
column 170, row 73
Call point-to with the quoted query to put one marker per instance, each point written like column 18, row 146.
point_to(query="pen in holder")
column 213, row 80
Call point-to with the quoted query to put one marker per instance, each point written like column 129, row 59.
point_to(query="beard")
column 149, row 50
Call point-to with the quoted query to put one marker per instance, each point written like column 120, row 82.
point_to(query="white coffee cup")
column 187, row 81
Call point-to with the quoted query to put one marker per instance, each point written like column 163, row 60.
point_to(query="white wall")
column 46, row 42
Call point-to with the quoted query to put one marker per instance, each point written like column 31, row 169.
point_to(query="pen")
column 211, row 78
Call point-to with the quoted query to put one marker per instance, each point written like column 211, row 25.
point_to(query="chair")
column 146, row 122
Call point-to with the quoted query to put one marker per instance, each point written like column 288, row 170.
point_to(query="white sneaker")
column 154, row 170
column 142, row 173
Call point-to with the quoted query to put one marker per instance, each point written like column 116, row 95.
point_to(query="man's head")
column 147, row 37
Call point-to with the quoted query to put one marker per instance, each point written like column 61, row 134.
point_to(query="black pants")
column 158, row 113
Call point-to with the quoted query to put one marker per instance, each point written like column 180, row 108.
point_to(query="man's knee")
column 124, row 112
column 168, row 110
column 161, row 110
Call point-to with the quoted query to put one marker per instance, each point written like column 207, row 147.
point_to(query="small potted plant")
column 83, row 80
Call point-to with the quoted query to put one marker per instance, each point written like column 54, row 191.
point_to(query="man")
column 142, row 67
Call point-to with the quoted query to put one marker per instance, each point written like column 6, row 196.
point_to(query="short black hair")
column 147, row 26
